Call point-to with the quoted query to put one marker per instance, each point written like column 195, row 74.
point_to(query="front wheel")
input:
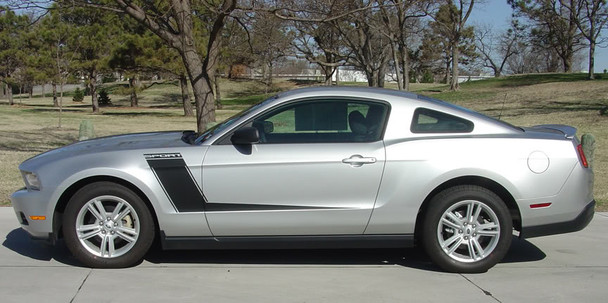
column 106, row 225
column 467, row 229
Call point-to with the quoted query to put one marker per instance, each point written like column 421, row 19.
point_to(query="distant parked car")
column 314, row 168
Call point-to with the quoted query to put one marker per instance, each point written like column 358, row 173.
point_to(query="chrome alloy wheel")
column 107, row 226
column 468, row 231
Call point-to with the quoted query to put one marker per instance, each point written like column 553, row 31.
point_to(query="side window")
column 431, row 121
column 323, row 121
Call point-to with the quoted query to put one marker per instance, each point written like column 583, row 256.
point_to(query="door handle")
column 358, row 160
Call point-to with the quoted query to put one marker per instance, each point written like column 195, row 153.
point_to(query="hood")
column 138, row 141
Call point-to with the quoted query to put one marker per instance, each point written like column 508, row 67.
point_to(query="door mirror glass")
column 245, row 135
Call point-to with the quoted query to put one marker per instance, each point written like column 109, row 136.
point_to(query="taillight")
column 581, row 154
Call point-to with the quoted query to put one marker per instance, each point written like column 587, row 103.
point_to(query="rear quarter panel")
column 415, row 167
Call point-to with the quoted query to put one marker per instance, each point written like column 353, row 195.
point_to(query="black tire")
column 473, row 244
column 116, row 238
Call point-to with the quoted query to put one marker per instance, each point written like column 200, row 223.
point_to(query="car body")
column 322, row 167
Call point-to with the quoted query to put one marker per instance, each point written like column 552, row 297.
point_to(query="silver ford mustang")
column 314, row 168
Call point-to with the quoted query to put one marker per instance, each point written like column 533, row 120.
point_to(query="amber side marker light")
column 540, row 205
column 38, row 218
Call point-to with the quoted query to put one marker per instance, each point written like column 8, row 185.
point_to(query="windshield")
column 223, row 125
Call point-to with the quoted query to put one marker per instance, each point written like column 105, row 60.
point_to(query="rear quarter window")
column 431, row 121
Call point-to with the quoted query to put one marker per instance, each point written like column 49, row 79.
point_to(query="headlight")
column 31, row 180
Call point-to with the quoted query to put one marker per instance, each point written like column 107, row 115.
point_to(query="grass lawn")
column 32, row 126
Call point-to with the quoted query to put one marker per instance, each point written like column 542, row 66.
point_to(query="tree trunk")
column 591, row 59
column 230, row 76
column 60, row 102
column 216, row 91
column 446, row 79
column 372, row 78
column 554, row 63
column 454, row 85
column 328, row 71
column 93, row 91
column 263, row 80
column 270, row 71
column 54, row 86
column 398, row 67
column 9, row 94
column 381, row 74
column 405, row 64
column 567, row 62
column 133, row 88
column 202, row 89
column 183, row 83
column 337, row 72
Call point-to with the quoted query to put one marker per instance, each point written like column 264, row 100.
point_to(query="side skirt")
column 288, row 242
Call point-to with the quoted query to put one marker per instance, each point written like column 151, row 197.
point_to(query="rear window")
column 431, row 121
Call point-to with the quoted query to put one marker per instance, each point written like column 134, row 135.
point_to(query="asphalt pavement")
column 562, row 268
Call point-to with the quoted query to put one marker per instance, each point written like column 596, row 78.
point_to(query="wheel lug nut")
column 460, row 231
column 112, row 232
column 115, row 224
column 466, row 238
column 103, row 231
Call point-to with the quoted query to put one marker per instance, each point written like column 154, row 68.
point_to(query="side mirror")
column 245, row 135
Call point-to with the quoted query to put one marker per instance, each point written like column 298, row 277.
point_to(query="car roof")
column 400, row 96
column 394, row 97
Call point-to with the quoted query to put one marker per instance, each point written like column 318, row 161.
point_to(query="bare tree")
column 369, row 49
column 321, row 44
column 555, row 26
column 591, row 17
column 496, row 49
column 398, row 22
column 271, row 42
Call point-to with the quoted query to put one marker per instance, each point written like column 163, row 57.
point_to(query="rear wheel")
column 467, row 229
column 107, row 225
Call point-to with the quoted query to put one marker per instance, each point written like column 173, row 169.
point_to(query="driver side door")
column 315, row 171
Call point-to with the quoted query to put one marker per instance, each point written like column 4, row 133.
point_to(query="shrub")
column 104, row 99
column 78, row 95
column 428, row 77
column 108, row 78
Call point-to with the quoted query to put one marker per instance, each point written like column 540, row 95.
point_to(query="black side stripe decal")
column 249, row 207
column 177, row 181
